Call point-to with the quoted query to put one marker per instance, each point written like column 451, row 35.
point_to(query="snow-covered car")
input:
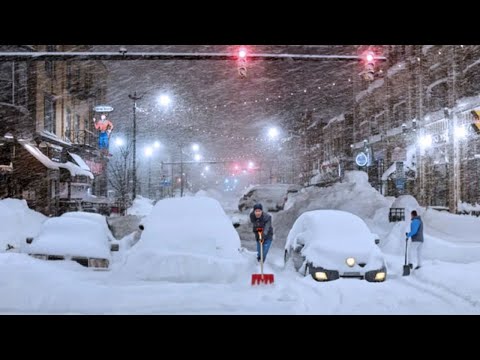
column 272, row 196
column 72, row 238
column 329, row 244
column 189, row 239
column 97, row 218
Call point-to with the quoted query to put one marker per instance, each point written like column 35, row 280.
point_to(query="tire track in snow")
column 441, row 292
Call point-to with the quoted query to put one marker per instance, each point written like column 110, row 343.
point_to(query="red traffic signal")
column 370, row 57
column 242, row 53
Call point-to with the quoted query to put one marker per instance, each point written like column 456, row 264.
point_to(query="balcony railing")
column 82, row 137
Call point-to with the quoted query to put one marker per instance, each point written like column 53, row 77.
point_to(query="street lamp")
column 164, row 100
column 135, row 98
column 273, row 133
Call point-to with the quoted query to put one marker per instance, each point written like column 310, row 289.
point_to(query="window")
column 68, row 123
column 69, row 75
column 437, row 96
column 49, row 64
column 6, row 82
column 77, row 123
column 21, row 83
column 49, row 114
column 399, row 113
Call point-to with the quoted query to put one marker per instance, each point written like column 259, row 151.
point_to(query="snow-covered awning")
column 80, row 161
column 75, row 170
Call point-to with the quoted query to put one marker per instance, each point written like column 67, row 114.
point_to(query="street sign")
column 361, row 159
column 103, row 108
column 165, row 183
column 400, row 184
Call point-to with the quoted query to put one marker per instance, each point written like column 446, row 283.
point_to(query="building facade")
column 49, row 154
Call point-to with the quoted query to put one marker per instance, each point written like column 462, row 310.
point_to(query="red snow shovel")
column 261, row 278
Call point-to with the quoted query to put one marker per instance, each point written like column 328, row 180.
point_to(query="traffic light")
column 242, row 63
column 369, row 61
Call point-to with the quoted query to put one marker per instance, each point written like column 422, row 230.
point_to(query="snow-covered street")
column 29, row 287
column 143, row 280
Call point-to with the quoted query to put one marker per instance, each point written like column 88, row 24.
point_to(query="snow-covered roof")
column 396, row 68
column 52, row 136
column 80, row 161
column 374, row 85
column 50, row 164
column 71, row 236
column 338, row 118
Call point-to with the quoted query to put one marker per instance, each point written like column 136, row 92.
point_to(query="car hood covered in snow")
column 331, row 236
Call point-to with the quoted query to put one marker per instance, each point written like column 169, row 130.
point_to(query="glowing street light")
column 148, row 151
column 119, row 142
column 460, row 132
column 195, row 147
column 425, row 141
column 273, row 133
column 165, row 100
column 156, row 144
column 197, row 157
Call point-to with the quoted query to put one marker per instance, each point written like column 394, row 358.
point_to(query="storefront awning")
column 80, row 161
column 74, row 169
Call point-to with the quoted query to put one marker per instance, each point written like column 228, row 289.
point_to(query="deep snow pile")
column 354, row 195
column 185, row 240
column 18, row 222
column 141, row 207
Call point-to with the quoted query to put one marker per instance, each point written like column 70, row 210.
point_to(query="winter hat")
column 258, row 207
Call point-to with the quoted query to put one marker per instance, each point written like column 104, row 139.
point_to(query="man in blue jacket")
column 416, row 233
column 262, row 220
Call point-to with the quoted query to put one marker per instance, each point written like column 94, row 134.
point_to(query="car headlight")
column 380, row 276
column 350, row 261
column 320, row 275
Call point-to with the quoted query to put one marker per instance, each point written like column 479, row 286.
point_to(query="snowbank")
column 409, row 203
column 140, row 207
column 354, row 195
column 271, row 196
column 18, row 222
column 186, row 239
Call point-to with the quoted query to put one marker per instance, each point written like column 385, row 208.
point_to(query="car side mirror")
column 377, row 241
column 236, row 225
column 141, row 227
column 29, row 240
column 114, row 247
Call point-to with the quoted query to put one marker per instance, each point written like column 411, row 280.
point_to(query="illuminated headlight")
column 380, row 276
column 320, row 275
column 350, row 261
column 98, row 263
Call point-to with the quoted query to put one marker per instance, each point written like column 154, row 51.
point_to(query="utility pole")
column 134, row 97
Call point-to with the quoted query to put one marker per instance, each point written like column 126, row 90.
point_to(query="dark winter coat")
column 264, row 222
column 416, row 229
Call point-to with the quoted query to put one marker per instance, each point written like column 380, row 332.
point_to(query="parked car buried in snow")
column 72, row 238
column 272, row 196
column 329, row 244
column 188, row 239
